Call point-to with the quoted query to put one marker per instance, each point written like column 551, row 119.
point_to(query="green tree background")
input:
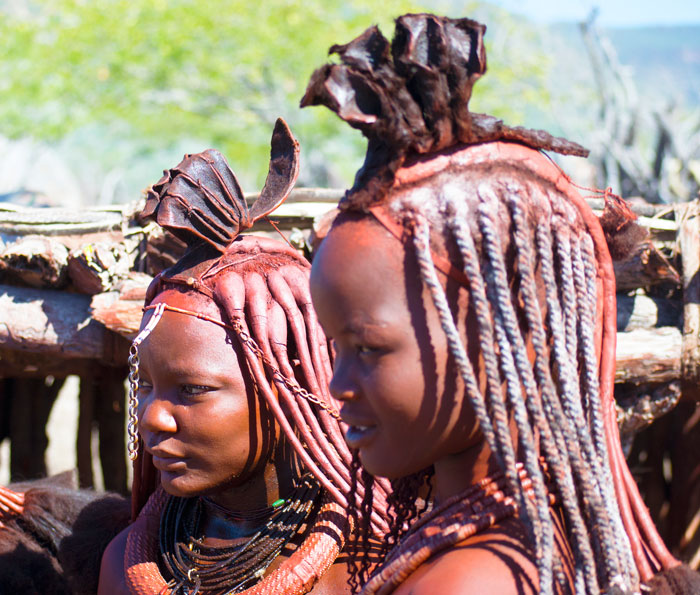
column 130, row 85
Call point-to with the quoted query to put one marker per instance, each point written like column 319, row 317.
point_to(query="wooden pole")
column 689, row 245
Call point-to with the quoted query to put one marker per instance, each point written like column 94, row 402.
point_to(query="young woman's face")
column 196, row 406
column 402, row 399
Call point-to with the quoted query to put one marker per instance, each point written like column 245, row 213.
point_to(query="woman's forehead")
column 361, row 263
column 188, row 299
column 359, row 241
column 183, row 342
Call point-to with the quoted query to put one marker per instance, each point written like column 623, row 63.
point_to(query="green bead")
column 278, row 503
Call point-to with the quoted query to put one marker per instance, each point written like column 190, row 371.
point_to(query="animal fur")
column 56, row 545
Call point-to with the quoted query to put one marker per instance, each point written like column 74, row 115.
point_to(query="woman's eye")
column 144, row 386
column 365, row 349
column 191, row 390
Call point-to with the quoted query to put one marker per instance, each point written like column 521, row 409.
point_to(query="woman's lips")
column 167, row 463
column 359, row 436
column 164, row 460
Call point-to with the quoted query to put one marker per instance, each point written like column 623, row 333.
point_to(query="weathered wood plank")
column 641, row 311
column 49, row 322
column 649, row 356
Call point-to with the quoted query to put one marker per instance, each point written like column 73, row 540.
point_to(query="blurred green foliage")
column 164, row 73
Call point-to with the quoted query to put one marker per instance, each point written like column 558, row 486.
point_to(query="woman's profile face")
column 196, row 406
column 402, row 399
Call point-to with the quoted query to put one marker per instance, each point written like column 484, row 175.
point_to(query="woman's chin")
column 179, row 485
column 378, row 464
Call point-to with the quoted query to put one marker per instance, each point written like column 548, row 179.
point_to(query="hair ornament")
column 201, row 201
column 411, row 96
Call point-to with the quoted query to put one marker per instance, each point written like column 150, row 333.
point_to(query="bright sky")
column 612, row 13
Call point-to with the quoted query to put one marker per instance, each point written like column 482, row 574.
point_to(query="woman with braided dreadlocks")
column 469, row 293
column 230, row 375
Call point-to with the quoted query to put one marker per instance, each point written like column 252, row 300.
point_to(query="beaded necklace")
column 249, row 516
column 474, row 510
column 200, row 568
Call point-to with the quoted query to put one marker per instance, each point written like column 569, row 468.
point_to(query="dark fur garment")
column 55, row 546
column 412, row 96
column 680, row 580
column 200, row 199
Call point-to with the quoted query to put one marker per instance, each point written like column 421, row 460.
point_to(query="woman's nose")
column 155, row 415
column 341, row 385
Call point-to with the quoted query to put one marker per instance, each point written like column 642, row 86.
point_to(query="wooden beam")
column 689, row 243
column 649, row 356
column 51, row 323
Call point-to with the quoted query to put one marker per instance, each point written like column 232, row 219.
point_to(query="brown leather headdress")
column 412, row 96
column 201, row 202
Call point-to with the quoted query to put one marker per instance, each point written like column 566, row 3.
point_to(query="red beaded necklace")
column 476, row 509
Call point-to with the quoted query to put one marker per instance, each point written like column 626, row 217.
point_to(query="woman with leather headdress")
column 242, row 476
column 470, row 296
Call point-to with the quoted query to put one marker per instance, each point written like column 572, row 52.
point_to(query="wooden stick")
column 689, row 244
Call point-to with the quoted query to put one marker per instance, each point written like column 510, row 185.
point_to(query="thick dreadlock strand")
column 553, row 442
column 554, row 400
column 568, row 395
column 567, row 292
column 283, row 296
column 591, row 481
column 292, row 293
column 495, row 439
column 281, row 292
column 321, row 473
column 429, row 277
column 316, row 448
column 517, row 370
column 561, row 475
column 583, row 261
column 536, row 516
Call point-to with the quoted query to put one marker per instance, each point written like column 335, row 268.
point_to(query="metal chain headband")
column 132, row 431
column 245, row 339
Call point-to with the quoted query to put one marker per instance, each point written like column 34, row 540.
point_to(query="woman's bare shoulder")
column 334, row 581
column 494, row 561
column 112, row 580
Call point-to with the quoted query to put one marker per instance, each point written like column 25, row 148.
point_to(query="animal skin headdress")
column 201, row 202
column 412, row 97
column 200, row 199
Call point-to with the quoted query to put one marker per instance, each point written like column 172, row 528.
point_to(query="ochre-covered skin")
column 459, row 207
column 398, row 383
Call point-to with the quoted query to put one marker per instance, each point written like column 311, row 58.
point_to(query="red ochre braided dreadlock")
column 475, row 200
column 262, row 287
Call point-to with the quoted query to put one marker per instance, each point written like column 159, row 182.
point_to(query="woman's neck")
column 246, row 501
column 455, row 473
